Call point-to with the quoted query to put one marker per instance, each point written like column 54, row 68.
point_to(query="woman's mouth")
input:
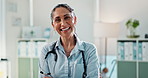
column 64, row 29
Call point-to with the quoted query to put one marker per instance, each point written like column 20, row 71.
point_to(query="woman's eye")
column 57, row 20
column 67, row 18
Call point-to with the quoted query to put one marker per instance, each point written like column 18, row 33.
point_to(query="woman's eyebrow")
column 64, row 16
column 57, row 17
column 67, row 14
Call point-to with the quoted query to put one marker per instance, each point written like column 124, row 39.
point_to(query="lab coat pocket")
column 79, row 69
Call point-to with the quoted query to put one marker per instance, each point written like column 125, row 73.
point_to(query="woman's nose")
column 63, row 23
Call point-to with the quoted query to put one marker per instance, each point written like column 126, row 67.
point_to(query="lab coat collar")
column 79, row 45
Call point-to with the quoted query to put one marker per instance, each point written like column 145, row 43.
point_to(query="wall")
column 121, row 10
column 1, row 29
column 3, row 64
column 15, row 10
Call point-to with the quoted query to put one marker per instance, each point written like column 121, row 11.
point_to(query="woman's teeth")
column 65, row 29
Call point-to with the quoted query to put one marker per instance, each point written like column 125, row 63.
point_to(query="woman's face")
column 63, row 22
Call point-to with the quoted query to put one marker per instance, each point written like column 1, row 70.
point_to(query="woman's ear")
column 52, row 24
column 75, row 20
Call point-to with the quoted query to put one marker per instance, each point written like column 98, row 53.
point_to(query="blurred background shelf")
column 29, row 56
column 132, row 61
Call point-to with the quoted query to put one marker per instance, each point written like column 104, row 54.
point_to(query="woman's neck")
column 68, row 41
column 68, row 44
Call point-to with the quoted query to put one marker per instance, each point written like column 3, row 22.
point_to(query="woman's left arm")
column 92, row 62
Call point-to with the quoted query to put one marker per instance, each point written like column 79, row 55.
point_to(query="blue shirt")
column 72, row 66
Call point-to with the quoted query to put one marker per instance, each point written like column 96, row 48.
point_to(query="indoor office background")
column 25, row 26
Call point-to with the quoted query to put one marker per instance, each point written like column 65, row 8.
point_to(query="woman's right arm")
column 43, row 65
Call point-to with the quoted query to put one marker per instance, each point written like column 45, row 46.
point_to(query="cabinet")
column 132, row 58
column 28, row 52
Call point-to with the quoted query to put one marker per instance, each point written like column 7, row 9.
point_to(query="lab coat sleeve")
column 92, row 62
column 43, row 65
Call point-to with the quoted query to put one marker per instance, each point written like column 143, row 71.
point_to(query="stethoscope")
column 56, row 57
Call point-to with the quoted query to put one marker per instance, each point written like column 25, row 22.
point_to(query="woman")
column 68, row 57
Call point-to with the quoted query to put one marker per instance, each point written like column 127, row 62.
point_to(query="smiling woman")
column 68, row 57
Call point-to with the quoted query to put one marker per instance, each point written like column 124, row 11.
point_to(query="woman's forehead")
column 61, row 12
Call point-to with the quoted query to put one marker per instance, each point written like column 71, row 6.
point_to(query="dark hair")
column 61, row 5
